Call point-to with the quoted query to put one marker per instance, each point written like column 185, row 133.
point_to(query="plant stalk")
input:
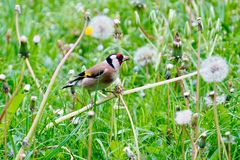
column 45, row 96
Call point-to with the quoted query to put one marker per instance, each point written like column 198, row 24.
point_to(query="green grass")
column 59, row 20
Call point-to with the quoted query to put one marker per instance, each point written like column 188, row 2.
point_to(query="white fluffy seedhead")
column 145, row 55
column 103, row 27
column 214, row 69
column 183, row 117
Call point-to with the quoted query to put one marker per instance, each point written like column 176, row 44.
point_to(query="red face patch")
column 119, row 56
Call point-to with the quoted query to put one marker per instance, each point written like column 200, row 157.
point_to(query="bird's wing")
column 93, row 72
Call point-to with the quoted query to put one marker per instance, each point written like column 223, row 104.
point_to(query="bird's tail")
column 67, row 86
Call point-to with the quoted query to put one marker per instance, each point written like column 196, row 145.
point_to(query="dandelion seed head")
column 102, row 27
column 219, row 99
column 214, row 69
column 145, row 55
column 183, row 117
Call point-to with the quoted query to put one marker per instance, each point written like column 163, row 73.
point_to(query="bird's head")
column 115, row 60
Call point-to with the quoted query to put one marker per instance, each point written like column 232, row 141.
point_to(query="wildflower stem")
column 33, row 75
column 133, row 127
column 14, row 93
column 192, row 142
column 169, row 103
column 198, row 79
column 147, row 86
column 90, row 138
column 26, row 59
column 219, row 136
column 229, row 150
column 183, row 149
column 45, row 96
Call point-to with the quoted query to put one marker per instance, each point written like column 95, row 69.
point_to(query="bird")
column 101, row 75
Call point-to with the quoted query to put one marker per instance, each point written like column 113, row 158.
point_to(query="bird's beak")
column 125, row 58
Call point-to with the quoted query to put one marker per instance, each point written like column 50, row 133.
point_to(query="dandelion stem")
column 147, row 86
column 133, row 127
column 219, row 136
column 229, row 150
column 14, row 93
column 169, row 103
column 192, row 142
column 26, row 59
column 45, row 96
column 90, row 138
column 33, row 75
column 183, row 150
column 198, row 79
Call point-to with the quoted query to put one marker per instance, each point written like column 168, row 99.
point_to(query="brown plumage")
column 99, row 76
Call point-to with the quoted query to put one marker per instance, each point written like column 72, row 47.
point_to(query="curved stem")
column 147, row 86
column 33, row 75
column 45, row 96
column 14, row 93
column 133, row 127
column 220, row 140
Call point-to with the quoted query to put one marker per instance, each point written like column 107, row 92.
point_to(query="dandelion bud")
column 25, row 142
column 18, row 9
column 32, row 104
column 228, row 138
column 178, row 108
column 169, row 136
column 139, row 5
column 87, row 16
column 91, row 114
column 230, row 84
column 199, row 22
column 8, row 36
column 202, row 142
column 168, row 74
column 116, row 22
column 194, row 120
column 36, row 39
column 117, row 34
column 24, row 52
column 26, row 87
column 5, row 87
column 177, row 47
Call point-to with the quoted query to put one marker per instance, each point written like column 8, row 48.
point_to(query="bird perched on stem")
column 99, row 76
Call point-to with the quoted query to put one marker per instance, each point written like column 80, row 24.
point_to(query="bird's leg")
column 110, row 91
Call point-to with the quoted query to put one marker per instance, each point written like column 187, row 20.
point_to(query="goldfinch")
column 101, row 75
